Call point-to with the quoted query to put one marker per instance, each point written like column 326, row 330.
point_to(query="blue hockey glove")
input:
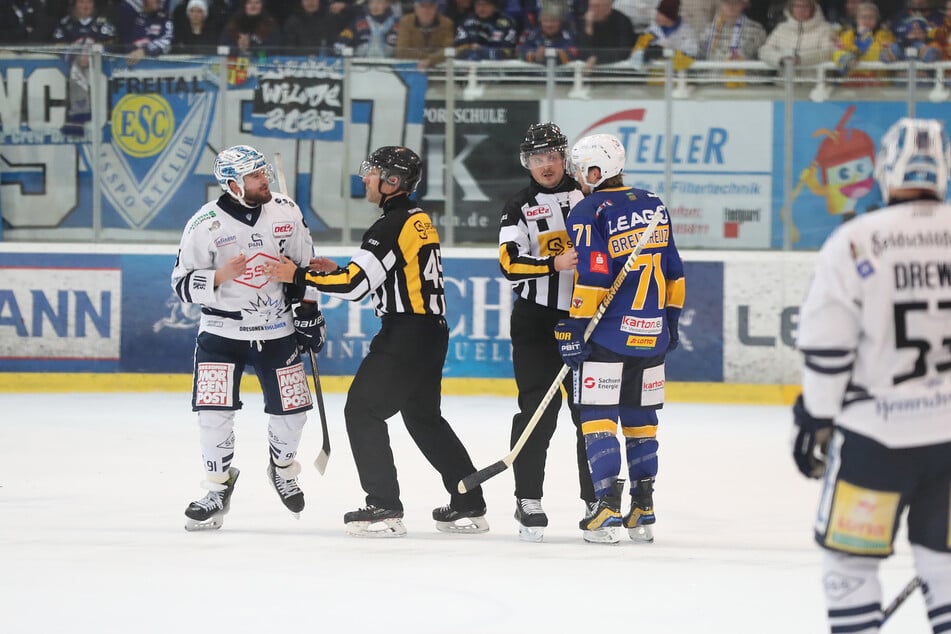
column 569, row 333
column 673, row 327
column 310, row 326
column 811, row 446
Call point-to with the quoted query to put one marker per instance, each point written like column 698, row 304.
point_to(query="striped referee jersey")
column 531, row 233
column 399, row 261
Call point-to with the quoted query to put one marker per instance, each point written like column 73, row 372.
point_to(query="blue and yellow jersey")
column 605, row 228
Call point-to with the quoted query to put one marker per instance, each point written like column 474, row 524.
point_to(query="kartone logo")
column 537, row 213
column 652, row 386
column 642, row 326
column 283, row 229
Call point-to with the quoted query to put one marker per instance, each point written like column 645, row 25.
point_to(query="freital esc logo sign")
column 142, row 124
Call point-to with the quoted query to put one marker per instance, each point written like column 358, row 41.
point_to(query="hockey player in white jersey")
column 246, row 319
column 874, row 418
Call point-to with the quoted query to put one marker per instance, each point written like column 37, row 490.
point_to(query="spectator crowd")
column 803, row 32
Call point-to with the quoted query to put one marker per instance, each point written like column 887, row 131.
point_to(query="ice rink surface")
column 93, row 486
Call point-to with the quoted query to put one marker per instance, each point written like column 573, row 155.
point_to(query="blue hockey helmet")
column 235, row 163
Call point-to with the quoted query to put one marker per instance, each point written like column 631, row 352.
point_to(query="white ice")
column 93, row 486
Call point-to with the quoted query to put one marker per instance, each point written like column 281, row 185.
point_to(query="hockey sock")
column 853, row 592
column 934, row 568
column 604, row 455
column 641, row 458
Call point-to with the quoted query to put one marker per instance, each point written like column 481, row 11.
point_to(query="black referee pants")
column 403, row 373
column 536, row 362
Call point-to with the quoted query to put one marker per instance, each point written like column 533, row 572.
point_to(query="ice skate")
column 208, row 513
column 372, row 521
column 641, row 518
column 531, row 519
column 602, row 520
column 447, row 520
column 284, row 481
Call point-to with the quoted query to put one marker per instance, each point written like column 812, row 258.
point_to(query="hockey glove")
column 310, row 327
column 811, row 446
column 673, row 326
column 569, row 333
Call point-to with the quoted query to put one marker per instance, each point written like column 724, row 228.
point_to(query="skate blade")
column 641, row 534
column 390, row 528
column 476, row 525
column 534, row 534
column 607, row 535
column 211, row 524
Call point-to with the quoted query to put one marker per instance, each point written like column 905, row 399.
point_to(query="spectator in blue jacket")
column 144, row 29
column 486, row 33
column 552, row 33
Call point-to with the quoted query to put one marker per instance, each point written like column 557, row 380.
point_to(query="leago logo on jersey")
column 283, row 229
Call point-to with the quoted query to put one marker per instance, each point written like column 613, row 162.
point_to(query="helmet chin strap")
column 240, row 198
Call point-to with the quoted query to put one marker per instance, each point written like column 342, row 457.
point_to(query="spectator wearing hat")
column 372, row 32
column 914, row 28
column 251, row 30
column 313, row 28
column 486, row 34
column 805, row 38
column 667, row 31
column 195, row 36
column 606, row 34
column 424, row 34
column 942, row 37
column 551, row 33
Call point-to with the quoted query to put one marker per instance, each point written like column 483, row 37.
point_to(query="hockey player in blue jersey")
column 619, row 372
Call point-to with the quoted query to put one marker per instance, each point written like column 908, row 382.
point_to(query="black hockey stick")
column 472, row 481
column 320, row 462
column 906, row 592
column 324, row 456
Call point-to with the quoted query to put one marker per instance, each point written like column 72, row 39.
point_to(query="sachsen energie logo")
column 142, row 125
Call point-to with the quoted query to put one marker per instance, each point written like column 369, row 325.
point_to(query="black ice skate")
column 473, row 521
column 531, row 519
column 638, row 522
column 208, row 513
column 602, row 519
column 372, row 521
column 284, row 481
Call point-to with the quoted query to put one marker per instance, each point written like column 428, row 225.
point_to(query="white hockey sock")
column 284, row 434
column 216, row 436
column 934, row 568
column 853, row 592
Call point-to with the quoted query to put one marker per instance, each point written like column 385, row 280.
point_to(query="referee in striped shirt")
column 536, row 255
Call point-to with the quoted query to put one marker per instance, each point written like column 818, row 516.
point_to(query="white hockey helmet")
column 597, row 150
column 914, row 154
column 235, row 163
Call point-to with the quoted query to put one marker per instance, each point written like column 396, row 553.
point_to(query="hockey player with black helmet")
column 536, row 256
column 874, row 417
column 399, row 263
column 246, row 320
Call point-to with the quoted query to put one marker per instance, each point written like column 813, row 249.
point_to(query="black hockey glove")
column 673, row 326
column 310, row 327
column 569, row 333
column 811, row 446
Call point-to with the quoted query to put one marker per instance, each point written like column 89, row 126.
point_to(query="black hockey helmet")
column 398, row 166
column 542, row 137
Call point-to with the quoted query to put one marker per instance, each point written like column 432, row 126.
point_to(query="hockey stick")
column 472, row 481
column 320, row 462
column 906, row 592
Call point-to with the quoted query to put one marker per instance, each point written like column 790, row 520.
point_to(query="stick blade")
column 470, row 482
column 320, row 462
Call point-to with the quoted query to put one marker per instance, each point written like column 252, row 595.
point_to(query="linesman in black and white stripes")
column 536, row 255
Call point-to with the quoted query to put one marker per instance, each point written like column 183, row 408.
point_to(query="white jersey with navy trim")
column 875, row 326
column 249, row 307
